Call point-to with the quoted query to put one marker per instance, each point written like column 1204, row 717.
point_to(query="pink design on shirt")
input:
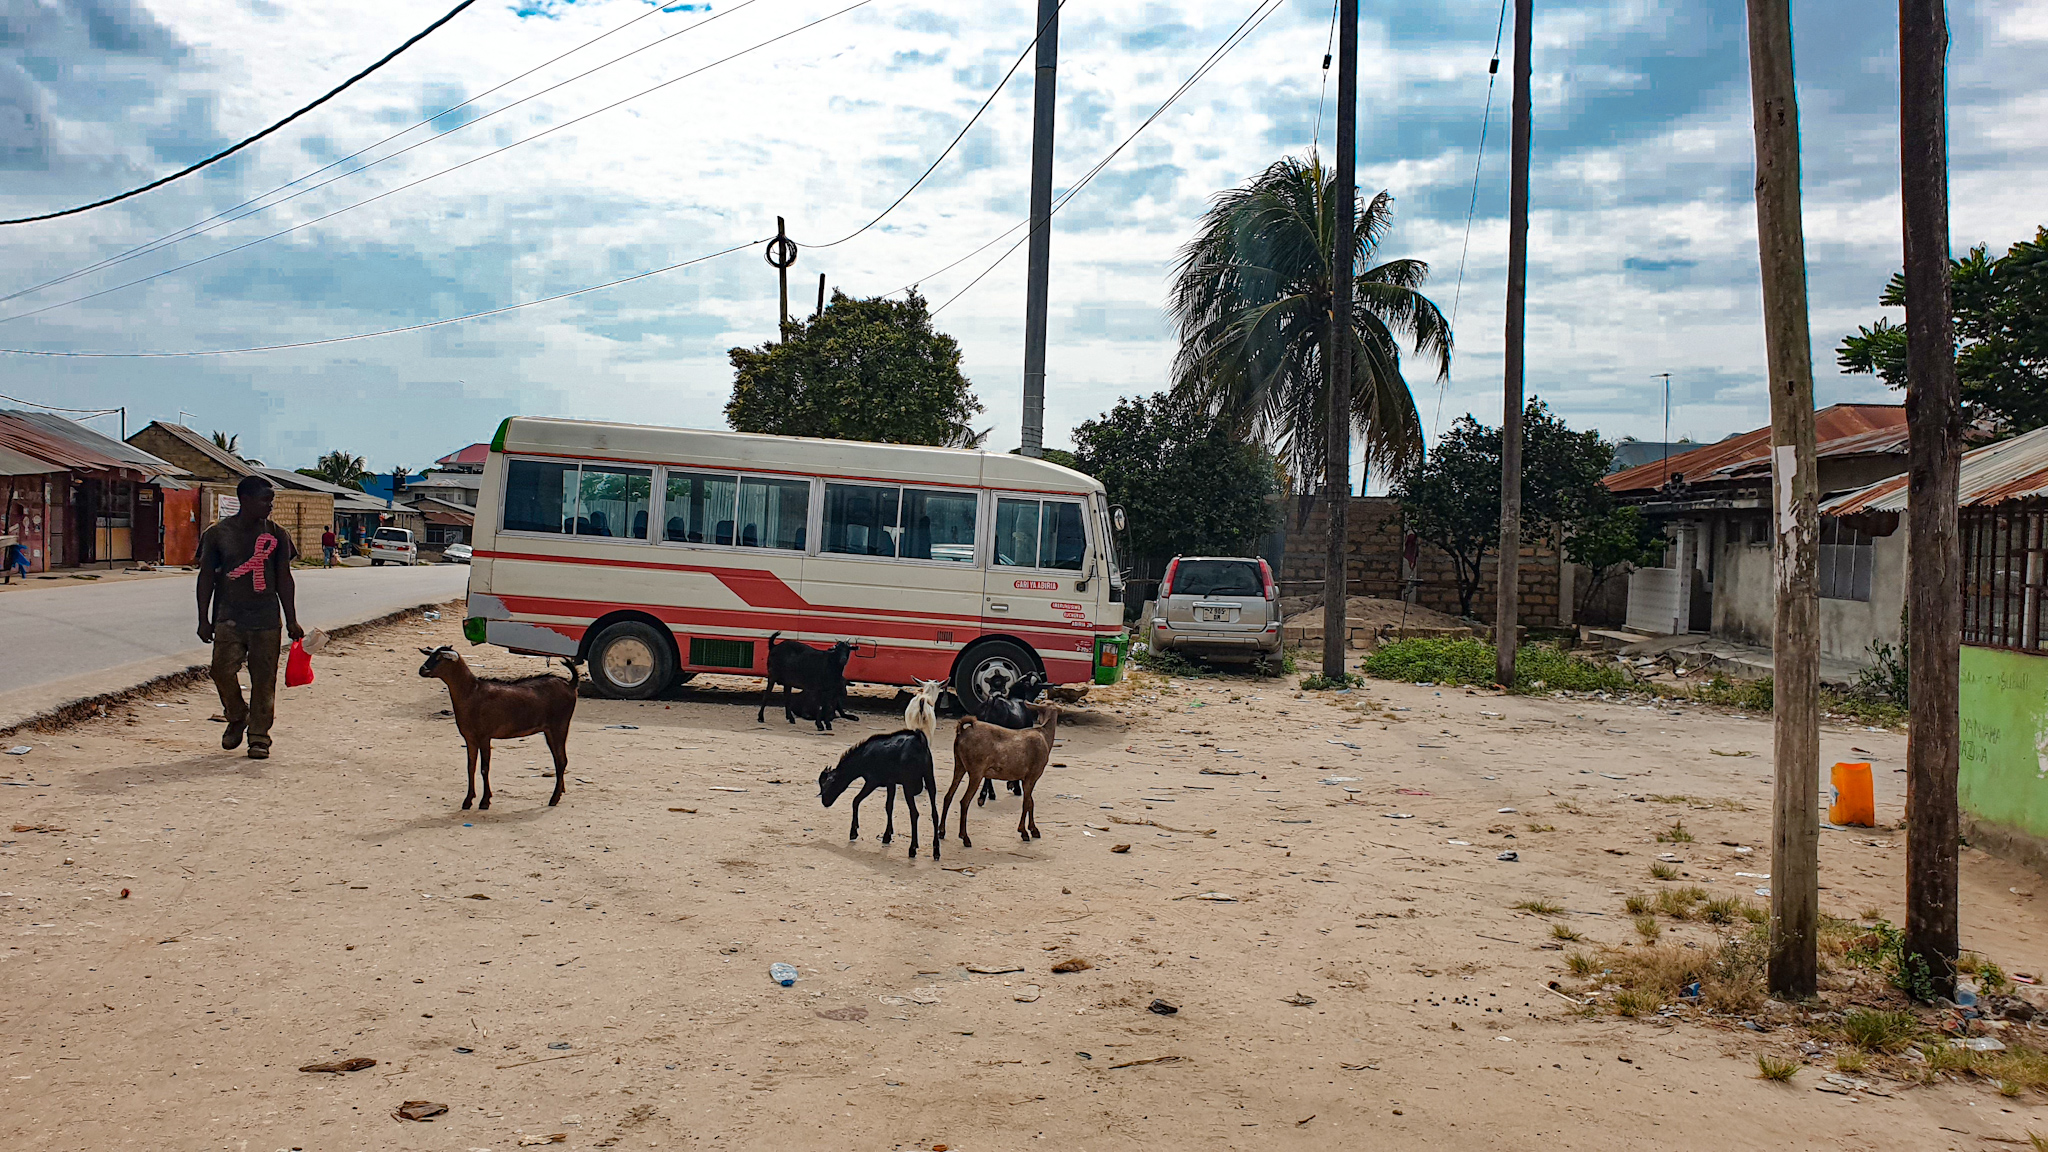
column 254, row 566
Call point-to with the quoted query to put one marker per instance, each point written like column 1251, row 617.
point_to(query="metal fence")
column 2002, row 575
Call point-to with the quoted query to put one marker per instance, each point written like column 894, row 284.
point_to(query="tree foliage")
column 2000, row 309
column 1451, row 498
column 863, row 369
column 1252, row 299
column 338, row 467
column 1609, row 539
column 1188, row 487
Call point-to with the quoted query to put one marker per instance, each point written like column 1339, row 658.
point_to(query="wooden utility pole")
column 1507, row 595
column 821, row 297
column 1934, row 551
column 1781, row 253
column 780, row 255
column 1038, row 270
column 1343, row 269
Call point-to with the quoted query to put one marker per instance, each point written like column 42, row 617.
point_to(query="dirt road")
column 600, row 969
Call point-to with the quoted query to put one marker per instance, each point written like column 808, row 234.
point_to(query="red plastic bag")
column 298, row 666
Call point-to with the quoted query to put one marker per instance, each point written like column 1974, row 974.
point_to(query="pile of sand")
column 1372, row 612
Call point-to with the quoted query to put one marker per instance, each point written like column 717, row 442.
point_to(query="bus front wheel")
column 631, row 661
column 986, row 667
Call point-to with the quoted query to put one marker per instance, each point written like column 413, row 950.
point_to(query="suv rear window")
column 394, row 536
column 1217, row 578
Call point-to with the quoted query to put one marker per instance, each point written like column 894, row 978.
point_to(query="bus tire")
column 982, row 664
column 631, row 660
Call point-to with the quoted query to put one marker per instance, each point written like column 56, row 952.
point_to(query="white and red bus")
column 655, row 554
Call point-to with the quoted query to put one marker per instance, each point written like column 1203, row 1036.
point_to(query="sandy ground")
column 600, row 969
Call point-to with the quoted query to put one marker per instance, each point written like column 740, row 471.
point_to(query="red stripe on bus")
column 1041, row 640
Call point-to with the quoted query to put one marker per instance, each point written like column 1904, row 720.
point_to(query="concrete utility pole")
column 821, row 297
column 1934, row 558
column 1037, row 276
column 1507, row 595
column 1343, row 268
column 1781, row 253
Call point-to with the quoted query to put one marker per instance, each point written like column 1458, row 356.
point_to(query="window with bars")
column 1846, row 555
column 2003, row 574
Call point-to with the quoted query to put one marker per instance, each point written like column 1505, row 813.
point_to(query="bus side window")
column 1063, row 542
column 613, row 502
column 773, row 513
column 540, row 496
column 1016, row 537
column 939, row 525
column 860, row 520
column 699, row 505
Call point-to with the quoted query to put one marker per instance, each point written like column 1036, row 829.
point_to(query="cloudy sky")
column 1643, row 254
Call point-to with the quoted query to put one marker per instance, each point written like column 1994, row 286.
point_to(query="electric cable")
column 1259, row 15
column 959, row 136
column 53, row 408
column 199, row 229
column 1316, row 140
column 230, row 151
column 1443, row 389
column 443, row 172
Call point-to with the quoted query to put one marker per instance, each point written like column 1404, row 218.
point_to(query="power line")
column 1238, row 35
column 1471, row 209
column 200, row 228
column 54, row 408
column 1316, row 140
column 227, row 152
column 389, row 331
column 442, row 172
column 961, row 135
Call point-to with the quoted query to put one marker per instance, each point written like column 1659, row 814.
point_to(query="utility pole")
column 1781, row 253
column 1343, row 270
column 1666, row 469
column 780, row 255
column 1045, row 86
column 821, row 297
column 1934, row 550
column 1507, row 597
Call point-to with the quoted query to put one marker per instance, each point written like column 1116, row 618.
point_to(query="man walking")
column 327, row 544
column 245, row 586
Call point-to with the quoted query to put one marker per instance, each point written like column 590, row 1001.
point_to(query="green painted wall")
column 2005, row 740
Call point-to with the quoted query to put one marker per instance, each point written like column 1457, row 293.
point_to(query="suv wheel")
column 975, row 677
column 631, row 661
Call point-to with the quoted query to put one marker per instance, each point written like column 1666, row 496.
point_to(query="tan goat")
column 987, row 751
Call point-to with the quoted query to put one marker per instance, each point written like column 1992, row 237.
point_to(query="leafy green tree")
column 2001, row 317
column 1608, row 540
column 225, row 442
column 1186, row 484
column 1451, row 498
column 1252, row 299
column 338, row 467
column 863, row 369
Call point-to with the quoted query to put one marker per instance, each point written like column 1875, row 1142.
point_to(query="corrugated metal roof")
column 14, row 463
column 1878, row 442
column 2015, row 469
column 235, row 465
column 69, row 444
column 1830, row 424
column 474, row 454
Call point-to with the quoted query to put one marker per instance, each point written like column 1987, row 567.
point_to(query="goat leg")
column 987, row 793
column 931, row 786
column 558, row 744
column 483, row 755
column 889, row 811
column 1031, row 807
column 767, row 698
column 910, row 792
column 939, row 816
column 469, row 750
column 1016, row 788
column 866, row 786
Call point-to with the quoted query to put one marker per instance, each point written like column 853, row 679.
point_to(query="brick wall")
column 164, row 446
column 1373, row 566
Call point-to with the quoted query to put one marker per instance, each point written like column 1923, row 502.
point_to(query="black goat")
column 890, row 760
column 1008, row 706
column 818, row 674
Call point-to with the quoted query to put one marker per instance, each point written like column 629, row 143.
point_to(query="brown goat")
column 983, row 751
column 487, row 710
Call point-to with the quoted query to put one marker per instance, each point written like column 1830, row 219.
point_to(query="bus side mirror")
column 1116, row 516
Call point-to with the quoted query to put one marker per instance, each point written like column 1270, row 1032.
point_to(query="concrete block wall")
column 1375, row 530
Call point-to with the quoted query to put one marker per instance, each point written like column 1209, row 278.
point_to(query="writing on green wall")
column 2005, row 739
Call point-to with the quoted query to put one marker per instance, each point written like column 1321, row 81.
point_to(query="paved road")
column 57, row 634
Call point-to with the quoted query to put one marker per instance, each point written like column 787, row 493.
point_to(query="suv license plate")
column 1215, row 615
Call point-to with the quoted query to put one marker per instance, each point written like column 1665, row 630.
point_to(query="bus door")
column 1038, row 560
column 895, row 573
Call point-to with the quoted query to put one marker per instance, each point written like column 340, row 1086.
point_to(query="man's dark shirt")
column 245, row 583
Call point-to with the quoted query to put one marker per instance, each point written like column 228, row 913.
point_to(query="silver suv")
column 1219, row 606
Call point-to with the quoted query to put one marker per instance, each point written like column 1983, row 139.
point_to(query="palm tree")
column 1252, row 300
column 227, row 443
column 338, row 467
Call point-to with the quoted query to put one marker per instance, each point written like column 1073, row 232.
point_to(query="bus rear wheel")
column 984, row 667
column 631, row 661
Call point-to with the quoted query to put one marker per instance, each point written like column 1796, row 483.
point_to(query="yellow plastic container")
column 1855, row 802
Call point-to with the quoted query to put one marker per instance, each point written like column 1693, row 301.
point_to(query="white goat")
column 922, row 714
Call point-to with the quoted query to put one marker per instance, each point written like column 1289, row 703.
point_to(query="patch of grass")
column 1638, row 903
column 1542, row 906
column 1471, row 661
column 1851, row 1060
column 1877, row 1030
column 1872, row 913
column 1564, row 932
column 1580, row 964
column 1268, row 667
column 2039, row 1141
column 1169, row 663
column 1634, row 1002
column 2010, row 1089
column 1881, row 713
column 1570, row 806
column 1677, row 902
column 1662, row 871
column 1542, row 827
column 1775, row 1068
column 2018, row 1064
column 1746, row 695
column 1317, row 682
column 1878, row 948
column 1648, row 928
column 1726, row 910
column 1676, row 834
column 1754, row 913
column 1990, row 977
